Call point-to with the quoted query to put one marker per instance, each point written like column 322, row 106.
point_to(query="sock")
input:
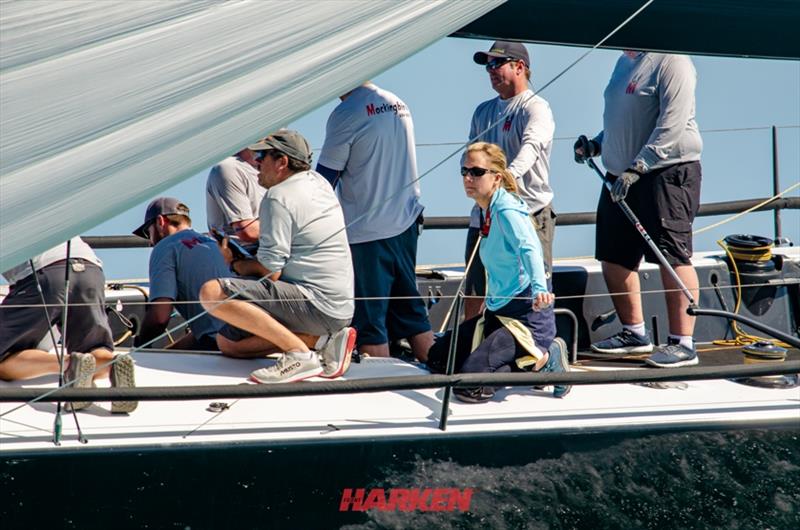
column 684, row 340
column 639, row 328
column 321, row 342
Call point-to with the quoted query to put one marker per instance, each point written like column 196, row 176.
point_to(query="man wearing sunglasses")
column 297, row 295
column 521, row 123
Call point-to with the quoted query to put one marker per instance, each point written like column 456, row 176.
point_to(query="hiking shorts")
column 23, row 328
column 666, row 201
column 284, row 302
column 387, row 268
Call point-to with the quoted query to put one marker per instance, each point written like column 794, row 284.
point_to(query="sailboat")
column 152, row 92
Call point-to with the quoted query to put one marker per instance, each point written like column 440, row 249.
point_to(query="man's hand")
column 619, row 190
column 227, row 254
column 543, row 301
column 585, row 149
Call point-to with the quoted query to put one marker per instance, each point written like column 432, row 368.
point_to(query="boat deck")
column 387, row 415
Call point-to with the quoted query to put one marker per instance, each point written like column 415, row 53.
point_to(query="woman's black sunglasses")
column 473, row 171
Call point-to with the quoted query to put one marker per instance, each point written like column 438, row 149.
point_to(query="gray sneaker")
column 123, row 376
column 335, row 355
column 80, row 372
column 288, row 369
column 673, row 355
column 558, row 363
column 625, row 341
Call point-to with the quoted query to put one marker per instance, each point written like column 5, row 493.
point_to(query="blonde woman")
column 517, row 329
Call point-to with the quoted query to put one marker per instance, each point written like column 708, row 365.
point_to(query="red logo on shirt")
column 507, row 124
column 191, row 243
column 631, row 88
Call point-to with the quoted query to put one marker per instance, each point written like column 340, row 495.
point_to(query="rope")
column 742, row 338
column 745, row 212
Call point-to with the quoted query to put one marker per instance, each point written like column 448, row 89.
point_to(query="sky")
column 442, row 86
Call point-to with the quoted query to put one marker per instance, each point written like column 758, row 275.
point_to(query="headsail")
column 105, row 104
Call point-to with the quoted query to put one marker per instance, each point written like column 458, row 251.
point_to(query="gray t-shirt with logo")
column 526, row 137
column 303, row 238
column 649, row 113
column 370, row 139
column 179, row 265
column 232, row 194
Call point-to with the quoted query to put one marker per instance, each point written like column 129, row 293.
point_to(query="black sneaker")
column 673, row 355
column 558, row 363
column 480, row 394
column 625, row 341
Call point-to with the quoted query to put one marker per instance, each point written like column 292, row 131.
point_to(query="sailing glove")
column 585, row 149
column 619, row 190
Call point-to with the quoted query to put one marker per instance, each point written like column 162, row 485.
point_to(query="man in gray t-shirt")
column 651, row 148
column 181, row 262
column 370, row 151
column 233, row 197
column 298, row 292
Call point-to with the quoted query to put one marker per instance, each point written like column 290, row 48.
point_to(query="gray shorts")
column 284, row 302
column 23, row 328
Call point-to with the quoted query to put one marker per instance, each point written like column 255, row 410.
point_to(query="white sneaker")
column 290, row 367
column 335, row 355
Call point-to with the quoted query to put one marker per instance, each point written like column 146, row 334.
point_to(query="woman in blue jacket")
column 517, row 329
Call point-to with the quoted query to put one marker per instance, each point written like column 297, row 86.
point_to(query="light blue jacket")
column 511, row 254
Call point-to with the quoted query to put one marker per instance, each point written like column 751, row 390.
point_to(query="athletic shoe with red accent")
column 291, row 367
column 336, row 353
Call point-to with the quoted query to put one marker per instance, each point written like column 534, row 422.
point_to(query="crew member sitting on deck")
column 87, row 335
column 181, row 262
column 517, row 329
column 304, row 297
column 233, row 197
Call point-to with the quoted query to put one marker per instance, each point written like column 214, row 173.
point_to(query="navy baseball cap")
column 504, row 49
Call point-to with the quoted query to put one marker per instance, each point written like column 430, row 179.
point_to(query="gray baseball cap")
column 160, row 206
column 504, row 49
column 290, row 143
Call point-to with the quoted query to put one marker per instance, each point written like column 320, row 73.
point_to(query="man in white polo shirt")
column 370, row 152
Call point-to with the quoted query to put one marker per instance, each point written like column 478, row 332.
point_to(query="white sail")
column 104, row 104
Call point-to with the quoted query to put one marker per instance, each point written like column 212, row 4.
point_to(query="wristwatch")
column 639, row 166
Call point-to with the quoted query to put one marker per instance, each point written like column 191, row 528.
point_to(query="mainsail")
column 105, row 104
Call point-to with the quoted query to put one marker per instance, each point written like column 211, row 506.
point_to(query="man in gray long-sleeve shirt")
column 651, row 149
column 525, row 134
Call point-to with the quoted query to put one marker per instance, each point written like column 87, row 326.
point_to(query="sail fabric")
column 104, row 104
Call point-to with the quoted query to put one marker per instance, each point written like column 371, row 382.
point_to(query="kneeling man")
column 298, row 294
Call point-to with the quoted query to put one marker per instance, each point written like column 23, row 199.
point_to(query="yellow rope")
column 742, row 338
column 738, row 215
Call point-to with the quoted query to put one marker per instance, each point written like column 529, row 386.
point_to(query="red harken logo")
column 406, row 499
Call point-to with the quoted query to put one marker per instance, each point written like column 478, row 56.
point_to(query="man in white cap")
column 521, row 123
column 302, row 295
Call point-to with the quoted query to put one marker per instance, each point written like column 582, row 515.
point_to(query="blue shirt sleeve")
column 163, row 279
column 519, row 234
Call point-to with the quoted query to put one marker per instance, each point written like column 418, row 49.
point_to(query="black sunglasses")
column 473, row 171
column 498, row 62
column 259, row 156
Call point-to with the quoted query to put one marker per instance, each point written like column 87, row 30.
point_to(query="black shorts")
column 23, row 328
column 665, row 201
